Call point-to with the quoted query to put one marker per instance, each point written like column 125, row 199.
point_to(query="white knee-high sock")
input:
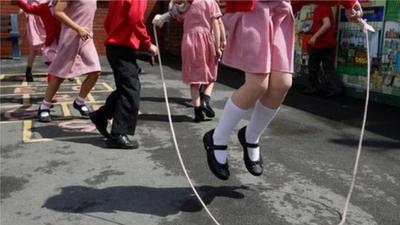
column 260, row 119
column 228, row 121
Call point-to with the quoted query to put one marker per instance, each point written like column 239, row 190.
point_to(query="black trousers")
column 329, row 80
column 122, row 104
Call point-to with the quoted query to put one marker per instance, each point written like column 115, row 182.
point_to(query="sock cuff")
column 232, row 105
column 46, row 103
column 259, row 105
column 80, row 100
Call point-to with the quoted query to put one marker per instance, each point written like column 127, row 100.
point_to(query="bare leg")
column 52, row 88
column 88, row 84
column 253, row 88
column 208, row 88
column 31, row 57
column 194, row 92
column 279, row 86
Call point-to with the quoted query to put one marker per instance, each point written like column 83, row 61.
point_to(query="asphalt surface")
column 61, row 173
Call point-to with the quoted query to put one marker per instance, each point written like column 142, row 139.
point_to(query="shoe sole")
column 44, row 121
column 114, row 146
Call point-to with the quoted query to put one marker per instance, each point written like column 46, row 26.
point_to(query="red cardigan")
column 51, row 25
column 248, row 5
column 125, row 25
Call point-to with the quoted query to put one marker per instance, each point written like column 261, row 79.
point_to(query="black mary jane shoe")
column 121, row 141
column 219, row 170
column 198, row 115
column 205, row 105
column 254, row 167
column 83, row 109
column 44, row 115
column 100, row 122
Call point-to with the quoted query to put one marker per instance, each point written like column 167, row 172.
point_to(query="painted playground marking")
column 25, row 111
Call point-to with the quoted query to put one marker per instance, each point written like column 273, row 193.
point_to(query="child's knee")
column 197, row 86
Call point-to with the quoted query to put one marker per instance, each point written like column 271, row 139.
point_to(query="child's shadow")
column 138, row 199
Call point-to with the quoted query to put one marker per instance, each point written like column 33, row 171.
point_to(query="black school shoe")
column 100, row 122
column 44, row 115
column 29, row 76
column 121, row 141
column 205, row 105
column 198, row 115
column 83, row 109
column 254, row 167
column 219, row 170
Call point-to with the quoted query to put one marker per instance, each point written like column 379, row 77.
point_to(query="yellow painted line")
column 25, row 99
column 35, row 140
column 78, row 80
column 27, row 131
column 11, row 106
column 91, row 98
column 107, row 86
column 61, row 92
column 58, row 103
column 10, row 121
column 65, row 109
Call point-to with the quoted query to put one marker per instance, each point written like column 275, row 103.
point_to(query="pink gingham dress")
column 76, row 57
column 199, row 59
column 35, row 31
column 262, row 40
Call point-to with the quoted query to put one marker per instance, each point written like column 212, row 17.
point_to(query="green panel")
column 352, row 70
column 393, row 10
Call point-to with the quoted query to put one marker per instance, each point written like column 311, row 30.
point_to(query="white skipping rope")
column 173, row 132
column 366, row 28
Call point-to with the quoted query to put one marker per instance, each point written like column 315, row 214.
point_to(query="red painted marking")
column 21, row 113
column 24, row 90
column 76, row 125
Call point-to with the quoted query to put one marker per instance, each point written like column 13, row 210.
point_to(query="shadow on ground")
column 139, row 199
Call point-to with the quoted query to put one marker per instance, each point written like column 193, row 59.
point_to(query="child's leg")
column 205, row 97
column 208, row 88
column 88, row 84
column 266, row 108
column 235, row 108
column 44, row 108
column 29, row 64
column 52, row 88
column 194, row 92
column 86, row 87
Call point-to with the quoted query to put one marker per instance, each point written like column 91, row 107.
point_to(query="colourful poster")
column 303, row 26
column 352, row 52
column 386, row 76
